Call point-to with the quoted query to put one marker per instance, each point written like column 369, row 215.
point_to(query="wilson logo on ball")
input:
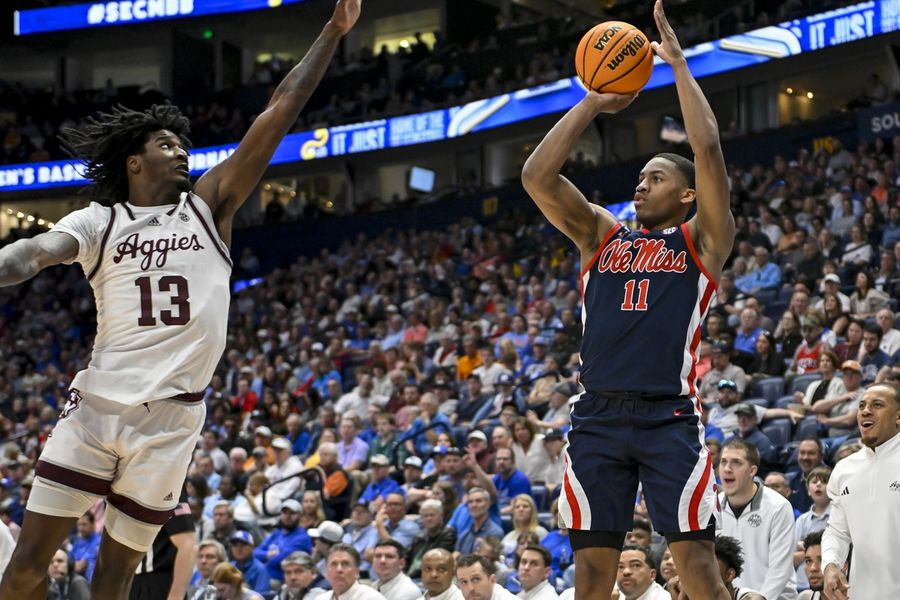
column 630, row 49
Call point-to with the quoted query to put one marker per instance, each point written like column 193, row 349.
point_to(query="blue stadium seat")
column 545, row 520
column 764, row 402
column 784, row 401
column 766, row 297
column 506, row 522
column 539, row 493
column 778, row 431
column 801, row 382
column 808, row 427
column 771, row 388
column 785, row 293
column 775, row 310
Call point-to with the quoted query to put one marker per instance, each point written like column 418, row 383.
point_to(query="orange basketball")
column 614, row 57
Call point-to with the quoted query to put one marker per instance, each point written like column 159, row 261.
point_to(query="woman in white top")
column 528, row 448
column 867, row 299
column 858, row 250
column 826, row 388
column 525, row 520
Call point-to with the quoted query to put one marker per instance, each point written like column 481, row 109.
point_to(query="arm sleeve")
column 836, row 537
column 781, row 552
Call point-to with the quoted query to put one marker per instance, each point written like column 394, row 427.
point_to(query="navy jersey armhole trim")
column 609, row 234
column 693, row 250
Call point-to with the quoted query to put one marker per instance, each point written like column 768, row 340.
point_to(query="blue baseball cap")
column 243, row 537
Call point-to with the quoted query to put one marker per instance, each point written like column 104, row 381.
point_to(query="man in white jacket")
column 761, row 519
column 388, row 563
column 475, row 575
column 438, row 569
column 865, row 505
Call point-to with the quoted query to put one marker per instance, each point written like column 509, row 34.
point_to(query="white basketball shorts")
column 135, row 456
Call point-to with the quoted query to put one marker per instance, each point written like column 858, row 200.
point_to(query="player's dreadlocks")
column 109, row 138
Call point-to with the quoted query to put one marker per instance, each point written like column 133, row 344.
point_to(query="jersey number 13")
column 180, row 313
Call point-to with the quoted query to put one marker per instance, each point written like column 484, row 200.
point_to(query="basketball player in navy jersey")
column 645, row 293
column 155, row 252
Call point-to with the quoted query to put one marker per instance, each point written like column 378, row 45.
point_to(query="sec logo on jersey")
column 669, row 231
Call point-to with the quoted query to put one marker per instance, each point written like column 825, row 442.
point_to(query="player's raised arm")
column 226, row 186
column 559, row 200
column 713, row 226
column 22, row 260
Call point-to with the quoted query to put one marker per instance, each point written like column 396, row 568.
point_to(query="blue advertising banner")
column 879, row 121
column 128, row 12
column 734, row 52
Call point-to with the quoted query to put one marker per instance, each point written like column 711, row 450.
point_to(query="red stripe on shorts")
column 570, row 496
column 697, row 496
column 73, row 479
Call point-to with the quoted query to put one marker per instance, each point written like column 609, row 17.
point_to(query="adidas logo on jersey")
column 895, row 487
column 845, row 491
column 154, row 221
column 169, row 497
column 184, row 217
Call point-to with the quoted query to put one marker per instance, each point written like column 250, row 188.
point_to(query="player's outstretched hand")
column 835, row 587
column 668, row 47
column 346, row 12
column 609, row 103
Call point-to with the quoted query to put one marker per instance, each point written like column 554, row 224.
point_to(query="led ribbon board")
column 128, row 12
column 735, row 52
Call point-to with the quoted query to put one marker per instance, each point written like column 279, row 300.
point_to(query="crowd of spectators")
column 525, row 49
column 417, row 384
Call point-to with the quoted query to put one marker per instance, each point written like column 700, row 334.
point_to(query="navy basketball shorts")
column 615, row 443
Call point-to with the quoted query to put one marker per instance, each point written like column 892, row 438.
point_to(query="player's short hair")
column 468, row 560
column 108, row 139
column 648, row 554
column 750, row 451
column 813, row 539
column 729, row 551
column 684, row 166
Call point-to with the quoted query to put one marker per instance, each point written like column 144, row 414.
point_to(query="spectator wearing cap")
column 831, row 284
column 286, row 464
column 722, row 368
column 300, row 578
column 412, row 473
column 353, row 452
column 558, row 413
column 443, row 391
column 890, row 337
column 490, row 370
column 838, row 413
column 360, row 532
column 381, row 484
column 326, row 535
column 388, row 564
column 470, row 359
column 477, row 444
column 873, row 360
column 391, row 521
column 806, row 357
column 749, row 431
column 766, row 275
column 386, row 441
column 723, row 416
column 508, row 480
column 554, row 442
column 533, row 364
column 286, row 539
column 489, row 413
column 357, row 402
column 256, row 576
column 262, row 438
column 433, row 535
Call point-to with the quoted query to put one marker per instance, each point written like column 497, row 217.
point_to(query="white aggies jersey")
column 160, row 277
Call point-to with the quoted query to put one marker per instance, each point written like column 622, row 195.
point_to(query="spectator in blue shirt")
column 254, row 571
column 557, row 543
column 509, row 481
column 424, row 438
column 391, row 521
column 382, row 485
column 748, row 331
column 85, row 546
column 766, row 276
column 479, row 501
column 874, row 359
column 284, row 540
column 361, row 533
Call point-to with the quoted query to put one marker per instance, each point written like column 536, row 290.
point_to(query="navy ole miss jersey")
column 645, row 295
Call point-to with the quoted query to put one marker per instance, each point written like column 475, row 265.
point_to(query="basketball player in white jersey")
column 156, row 254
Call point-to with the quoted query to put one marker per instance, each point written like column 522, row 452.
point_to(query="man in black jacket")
column 434, row 535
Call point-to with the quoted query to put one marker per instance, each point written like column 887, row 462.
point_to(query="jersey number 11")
column 643, row 289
